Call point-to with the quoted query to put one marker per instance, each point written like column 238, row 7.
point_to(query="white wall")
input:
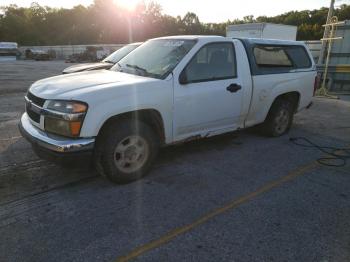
column 282, row 32
column 263, row 30
column 63, row 51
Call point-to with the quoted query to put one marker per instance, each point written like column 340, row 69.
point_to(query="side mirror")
column 183, row 78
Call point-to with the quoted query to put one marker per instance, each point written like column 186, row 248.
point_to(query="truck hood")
column 62, row 85
column 86, row 66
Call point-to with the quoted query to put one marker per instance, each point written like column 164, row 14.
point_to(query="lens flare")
column 127, row 4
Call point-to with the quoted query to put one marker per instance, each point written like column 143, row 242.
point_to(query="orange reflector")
column 75, row 128
column 79, row 108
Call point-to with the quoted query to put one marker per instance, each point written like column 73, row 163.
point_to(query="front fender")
column 103, row 107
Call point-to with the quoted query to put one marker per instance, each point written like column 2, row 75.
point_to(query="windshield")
column 119, row 54
column 155, row 58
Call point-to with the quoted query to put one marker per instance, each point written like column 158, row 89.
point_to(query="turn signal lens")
column 75, row 128
column 62, row 127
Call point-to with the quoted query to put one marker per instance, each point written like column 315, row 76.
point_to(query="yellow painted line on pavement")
column 229, row 206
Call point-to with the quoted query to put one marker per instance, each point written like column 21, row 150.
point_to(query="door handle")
column 233, row 88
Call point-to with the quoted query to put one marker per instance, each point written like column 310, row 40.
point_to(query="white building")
column 262, row 30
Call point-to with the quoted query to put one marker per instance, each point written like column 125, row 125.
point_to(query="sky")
column 207, row 10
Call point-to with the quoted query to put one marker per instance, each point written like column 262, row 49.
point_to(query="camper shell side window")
column 280, row 58
column 276, row 58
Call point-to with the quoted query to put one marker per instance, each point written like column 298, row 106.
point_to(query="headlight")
column 65, row 117
column 67, row 106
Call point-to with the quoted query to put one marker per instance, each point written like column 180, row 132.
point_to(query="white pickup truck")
column 169, row 90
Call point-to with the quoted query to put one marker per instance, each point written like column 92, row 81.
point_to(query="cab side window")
column 212, row 62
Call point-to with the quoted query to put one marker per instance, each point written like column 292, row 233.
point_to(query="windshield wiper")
column 143, row 70
column 120, row 69
column 138, row 68
column 109, row 61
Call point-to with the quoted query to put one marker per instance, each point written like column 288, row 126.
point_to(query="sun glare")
column 127, row 4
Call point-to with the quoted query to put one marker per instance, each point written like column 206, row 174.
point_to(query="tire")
column 279, row 119
column 125, row 151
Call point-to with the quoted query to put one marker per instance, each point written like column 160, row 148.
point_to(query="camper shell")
column 297, row 51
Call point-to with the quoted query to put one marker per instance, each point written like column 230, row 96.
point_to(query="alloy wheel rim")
column 131, row 154
column 282, row 121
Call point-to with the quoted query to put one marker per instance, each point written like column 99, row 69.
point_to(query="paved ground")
column 237, row 197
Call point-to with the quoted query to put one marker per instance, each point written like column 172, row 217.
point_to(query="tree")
column 107, row 22
column 249, row 19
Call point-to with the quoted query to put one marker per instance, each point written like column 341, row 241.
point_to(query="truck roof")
column 248, row 41
column 252, row 41
column 192, row 37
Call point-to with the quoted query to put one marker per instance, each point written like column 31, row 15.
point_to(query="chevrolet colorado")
column 168, row 90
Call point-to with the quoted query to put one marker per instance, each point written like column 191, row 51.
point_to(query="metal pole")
column 326, row 33
column 323, row 91
column 327, row 59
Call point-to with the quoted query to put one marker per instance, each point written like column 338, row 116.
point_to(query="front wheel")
column 279, row 119
column 127, row 149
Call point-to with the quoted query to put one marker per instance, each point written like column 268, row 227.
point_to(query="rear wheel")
column 279, row 119
column 126, row 150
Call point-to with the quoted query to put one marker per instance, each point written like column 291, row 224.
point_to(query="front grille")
column 34, row 115
column 36, row 100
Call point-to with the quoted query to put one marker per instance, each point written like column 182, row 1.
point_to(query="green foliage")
column 105, row 22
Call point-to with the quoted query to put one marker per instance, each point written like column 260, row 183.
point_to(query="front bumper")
column 53, row 143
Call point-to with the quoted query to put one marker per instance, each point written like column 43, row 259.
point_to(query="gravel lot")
column 236, row 197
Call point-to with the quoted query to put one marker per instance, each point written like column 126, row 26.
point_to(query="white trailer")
column 262, row 30
column 8, row 51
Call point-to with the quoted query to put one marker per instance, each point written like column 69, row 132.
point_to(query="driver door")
column 208, row 94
